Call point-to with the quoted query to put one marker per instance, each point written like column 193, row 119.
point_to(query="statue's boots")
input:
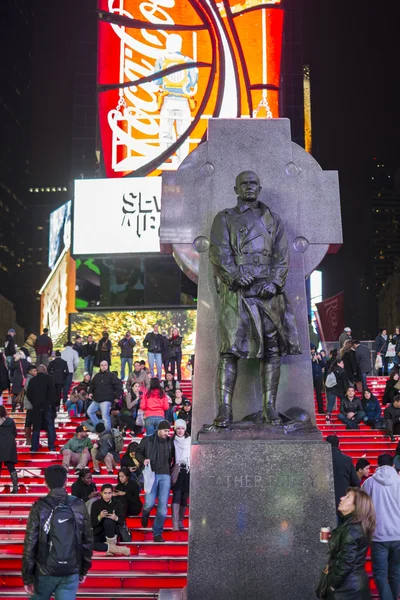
column 227, row 375
column 270, row 374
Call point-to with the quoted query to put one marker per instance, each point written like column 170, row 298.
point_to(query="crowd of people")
column 113, row 405
column 343, row 375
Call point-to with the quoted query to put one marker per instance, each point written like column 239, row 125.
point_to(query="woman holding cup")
column 344, row 577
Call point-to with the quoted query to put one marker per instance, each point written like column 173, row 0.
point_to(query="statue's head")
column 248, row 186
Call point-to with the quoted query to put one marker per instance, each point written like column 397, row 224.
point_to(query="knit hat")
column 187, row 403
column 164, row 424
column 347, row 329
column 180, row 423
column 86, row 373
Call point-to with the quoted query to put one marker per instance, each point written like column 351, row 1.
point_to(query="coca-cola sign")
column 166, row 66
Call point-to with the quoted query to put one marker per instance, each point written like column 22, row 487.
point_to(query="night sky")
column 353, row 52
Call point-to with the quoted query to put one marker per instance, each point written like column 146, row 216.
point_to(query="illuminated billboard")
column 59, row 232
column 116, row 216
column 139, row 323
column 58, row 297
column 166, row 66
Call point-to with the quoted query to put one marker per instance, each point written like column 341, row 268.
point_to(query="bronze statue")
column 250, row 257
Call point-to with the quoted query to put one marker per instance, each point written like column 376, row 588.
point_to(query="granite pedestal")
column 255, row 513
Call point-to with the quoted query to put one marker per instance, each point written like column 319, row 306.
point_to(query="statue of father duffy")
column 250, row 258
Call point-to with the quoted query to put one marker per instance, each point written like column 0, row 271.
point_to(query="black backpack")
column 62, row 554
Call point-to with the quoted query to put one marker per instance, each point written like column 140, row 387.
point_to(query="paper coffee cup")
column 324, row 534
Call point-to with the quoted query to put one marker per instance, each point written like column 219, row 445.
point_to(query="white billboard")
column 116, row 216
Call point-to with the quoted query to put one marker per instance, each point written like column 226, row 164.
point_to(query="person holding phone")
column 107, row 516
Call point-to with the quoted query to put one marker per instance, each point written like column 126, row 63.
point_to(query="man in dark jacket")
column 317, row 364
column 154, row 342
column 363, row 362
column 41, row 395
column 9, row 346
column 351, row 410
column 39, row 567
column 43, row 348
column 104, row 388
column 392, row 417
column 344, row 472
column 104, row 450
column 89, row 354
column 77, row 346
column 127, row 345
column 58, row 369
column 156, row 451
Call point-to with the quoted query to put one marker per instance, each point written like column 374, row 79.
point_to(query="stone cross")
column 296, row 188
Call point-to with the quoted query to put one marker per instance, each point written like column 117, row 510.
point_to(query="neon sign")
column 166, row 66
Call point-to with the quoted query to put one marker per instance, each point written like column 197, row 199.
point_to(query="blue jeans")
column 386, row 568
column 67, row 385
column 352, row 423
column 124, row 362
column 63, row 588
column 161, row 488
column 364, row 381
column 89, row 362
column 155, row 358
column 78, row 406
column 151, row 424
column 331, row 399
column 105, row 413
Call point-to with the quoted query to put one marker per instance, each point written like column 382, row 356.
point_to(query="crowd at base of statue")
column 92, row 519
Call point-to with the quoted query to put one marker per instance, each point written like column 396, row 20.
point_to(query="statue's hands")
column 267, row 290
column 244, row 280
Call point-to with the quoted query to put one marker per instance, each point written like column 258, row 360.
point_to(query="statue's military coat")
column 252, row 240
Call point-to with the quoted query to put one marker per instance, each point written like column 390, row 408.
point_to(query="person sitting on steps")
column 351, row 410
column 392, row 418
column 104, row 450
column 106, row 515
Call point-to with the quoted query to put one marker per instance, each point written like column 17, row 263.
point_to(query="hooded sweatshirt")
column 384, row 489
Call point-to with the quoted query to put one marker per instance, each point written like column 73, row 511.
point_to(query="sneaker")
column 77, row 471
column 94, row 472
column 145, row 520
column 158, row 538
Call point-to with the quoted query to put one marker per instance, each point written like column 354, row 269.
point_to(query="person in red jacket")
column 43, row 348
column 154, row 403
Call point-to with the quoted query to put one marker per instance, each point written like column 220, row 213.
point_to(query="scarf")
column 182, row 451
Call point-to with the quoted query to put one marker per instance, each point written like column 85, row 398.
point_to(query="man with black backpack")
column 58, row 542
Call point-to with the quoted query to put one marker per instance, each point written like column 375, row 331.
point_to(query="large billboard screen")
column 58, row 298
column 116, row 216
column 139, row 323
column 59, row 232
column 165, row 67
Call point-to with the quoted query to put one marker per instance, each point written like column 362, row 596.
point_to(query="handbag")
column 322, row 586
column 149, row 478
column 124, row 533
column 378, row 362
column 175, row 473
column 397, row 385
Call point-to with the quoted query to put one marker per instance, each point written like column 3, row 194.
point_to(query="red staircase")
column 150, row 566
